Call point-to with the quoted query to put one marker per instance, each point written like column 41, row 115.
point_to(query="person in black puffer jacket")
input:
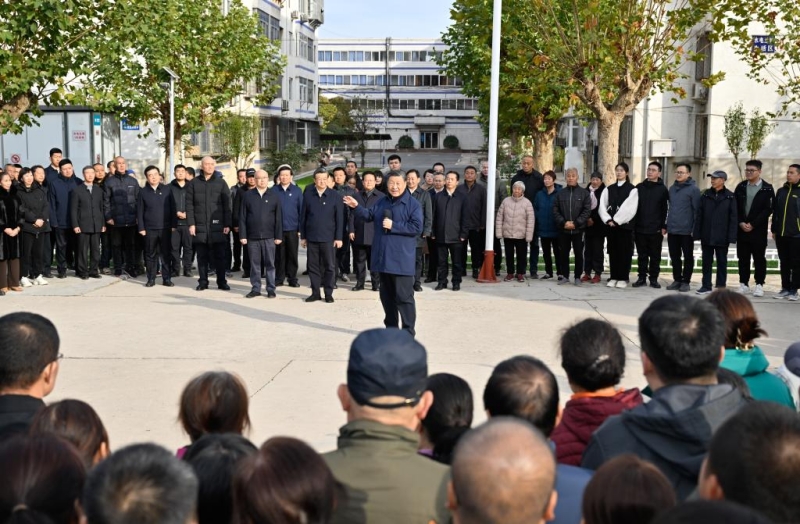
column 651, row 225
column 715, row 228
column 35, row 228
column 595, row 233
column 122, row 192
column 571, row 211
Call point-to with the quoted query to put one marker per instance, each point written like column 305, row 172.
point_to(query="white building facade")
column 401, row 85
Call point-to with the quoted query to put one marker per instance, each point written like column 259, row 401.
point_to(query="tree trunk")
column 12, row 109
column 608, row 144
column 543, row 147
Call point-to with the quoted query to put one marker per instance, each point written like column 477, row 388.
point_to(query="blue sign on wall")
column 96, row 119
column 126, row 127
column 765, row 43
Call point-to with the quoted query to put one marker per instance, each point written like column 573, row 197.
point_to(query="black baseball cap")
column 386, row 363
column 250, row 172
column 791, row 359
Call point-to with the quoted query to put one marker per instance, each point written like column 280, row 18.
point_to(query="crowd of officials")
column 105, row 221
column 714, row 437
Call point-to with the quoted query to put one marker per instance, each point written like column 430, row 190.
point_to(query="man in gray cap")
column 716, row 227
column 376, row 458
column 789, row 372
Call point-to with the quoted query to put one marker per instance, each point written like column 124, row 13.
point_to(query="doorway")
column 429, row 140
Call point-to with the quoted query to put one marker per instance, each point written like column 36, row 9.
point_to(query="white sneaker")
column 24, row 282
column 622, row 284
column 744, row 288
column 612, row 283
column 793, row 297
column 758, row 291
column 40, row 281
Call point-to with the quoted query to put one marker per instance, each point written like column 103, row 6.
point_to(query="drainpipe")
column 645, row 129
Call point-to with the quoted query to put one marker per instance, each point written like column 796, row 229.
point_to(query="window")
column 306, row 89
column 702, row 68
column 305, row 47
column 626, row 137
column 573, row 133
column 700, row 137
column 269, row 25
column 264, row 134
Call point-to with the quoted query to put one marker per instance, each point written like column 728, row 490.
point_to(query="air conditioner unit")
column 303, row 17
column 295, row 15
column 284, row 106
column 699, row 92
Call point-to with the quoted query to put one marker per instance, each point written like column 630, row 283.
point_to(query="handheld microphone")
column 387, row 213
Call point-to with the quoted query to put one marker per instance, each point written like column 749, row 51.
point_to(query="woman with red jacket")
column 593, row 356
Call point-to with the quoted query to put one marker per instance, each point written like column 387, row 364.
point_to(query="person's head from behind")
column 77, row 423
column 214, row 402
column 592, row 355
column 741, row 322
column 503, row 472
column 626, row 489
column 214, row 459
column 387, row 373
column 523, row 387
column 450, row 415
column 682, row 341
column 285, row 482
column 754, row 460
column 41, row 481
column 735, row 380
column 29, row 356
column 142, row 484
column 711, row 511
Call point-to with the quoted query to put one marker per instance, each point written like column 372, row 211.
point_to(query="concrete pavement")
column 129, row 350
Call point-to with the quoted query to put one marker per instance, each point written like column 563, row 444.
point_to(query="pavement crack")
column 621, row 332
column 268, row 382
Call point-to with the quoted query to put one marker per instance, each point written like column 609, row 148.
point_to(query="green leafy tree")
column 361, row 126
column 758, row 129
column 735, row 132
column 335, row 112
column 292, row 154
column 42, row 44
column 534, row 95
column 213, row 54
column 616, row 52
column 238, row 138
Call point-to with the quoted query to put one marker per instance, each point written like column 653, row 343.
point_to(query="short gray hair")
column 518, row 183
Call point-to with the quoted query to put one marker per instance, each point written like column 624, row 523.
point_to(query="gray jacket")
column 684, row 200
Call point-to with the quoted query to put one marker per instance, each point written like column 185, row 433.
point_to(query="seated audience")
column 706, row 512
column 28, row 368
column 626, row 489
column 214, row 459
column 142, row 484
column 503, row 473
column 742, row 355
column 214, row 402
column 754, row 460
column 593, row 357
column 41, row 481
column 524, row 387
column 284, row 482
column 77, row 423
column 682, row 345
column 376, row 458
column 448, row 419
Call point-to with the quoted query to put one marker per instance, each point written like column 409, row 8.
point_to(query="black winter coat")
column 475, row 206
column 598, row 228
column 87, row 209
column 179, row 199
column 35, row 206
column 58, row 193
column 208, row 208
column 237, row 194
column 155, row 208
column 716, row 222
column 760, row 210
column 572, row 204
column 786, row 219
column 651, row 215
column 11, row 217
column 448, row 217
column 363, row 229
column 533, row 183
column 260, row 216
column 424, row 198
column 122, row 193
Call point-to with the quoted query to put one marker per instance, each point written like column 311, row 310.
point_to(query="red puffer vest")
column 582, row 416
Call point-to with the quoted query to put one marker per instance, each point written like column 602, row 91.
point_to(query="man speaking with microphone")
column 394, row 248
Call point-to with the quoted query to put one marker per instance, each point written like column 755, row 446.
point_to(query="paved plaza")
column 129, row 350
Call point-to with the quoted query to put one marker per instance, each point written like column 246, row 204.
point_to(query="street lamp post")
column 172, row 78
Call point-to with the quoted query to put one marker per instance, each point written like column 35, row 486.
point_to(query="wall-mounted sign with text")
column 765, row 43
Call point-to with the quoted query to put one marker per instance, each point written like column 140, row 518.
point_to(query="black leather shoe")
column 187, row 273
column 201, row 287
column 236, row 268
column 279, row 284
column 358, row 287
column 252, row 294
column 168, row 283
column 329, row 300
column 655, row 285
column 376, row 288
column 176, row 274
column 61, row 275
column 150, row 283
column 271, row 294
column 245, row 275
column 95, row 275
column 224, row 287
column 313, row 298
column 456, row 287
column 418, row 288
column 294, row 284
column 429, row 280
column 84, row 277
column 639, row 283
column 440, row 287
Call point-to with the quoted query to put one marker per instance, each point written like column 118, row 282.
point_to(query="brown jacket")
column 515, row 219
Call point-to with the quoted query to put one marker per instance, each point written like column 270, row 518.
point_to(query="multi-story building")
column 402, row 87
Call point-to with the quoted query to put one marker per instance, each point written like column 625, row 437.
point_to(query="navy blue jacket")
column 122, row 192
column 291, row 205
column 59, row 193
column 50, row 174
column 717, row 221
column 260, row 216
column 570, row 484
column 323, row 216
column 155, row 208
column 394, row 253
column 543, row 210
